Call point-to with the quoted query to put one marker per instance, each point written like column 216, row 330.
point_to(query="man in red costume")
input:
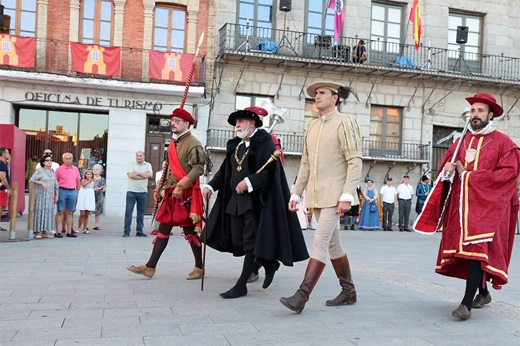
column 478, row 196
column 180, row 186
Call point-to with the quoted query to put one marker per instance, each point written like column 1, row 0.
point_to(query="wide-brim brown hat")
column 337, row 88
column 489, row 100
column 245, row 114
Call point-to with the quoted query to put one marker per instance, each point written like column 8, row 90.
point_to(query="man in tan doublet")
column 330, row 169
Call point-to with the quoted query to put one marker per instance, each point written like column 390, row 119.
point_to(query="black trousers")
column 388, row 213
column 243, row 232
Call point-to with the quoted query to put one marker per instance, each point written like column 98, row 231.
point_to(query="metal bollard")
column 30, row 215
column 14, row 211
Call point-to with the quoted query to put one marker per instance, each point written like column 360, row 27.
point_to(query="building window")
column 169, row 29
column 470, row 50
column 22, row 16
column 97, row 19
column 320, row 20
column 244, row 101
column 386, row 27
column 311, row 112
column 85, row 135
column 258, row 14
column 385, row 130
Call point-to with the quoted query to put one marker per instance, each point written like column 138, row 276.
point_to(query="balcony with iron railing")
column 371, row 150
column 395, row 151
column 54, row 57
column 300, row 48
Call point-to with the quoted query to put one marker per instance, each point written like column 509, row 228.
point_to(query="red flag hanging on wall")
column 169, row 65
column 94, row 59
column 339, row 16
column 17, row 51
column 415, row 18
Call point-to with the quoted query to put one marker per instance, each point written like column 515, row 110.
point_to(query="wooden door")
column 155, row 154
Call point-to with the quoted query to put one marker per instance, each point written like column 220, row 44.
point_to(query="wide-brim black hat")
column 245, row 114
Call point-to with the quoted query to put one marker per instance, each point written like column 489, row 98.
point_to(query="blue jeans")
column 131, row 199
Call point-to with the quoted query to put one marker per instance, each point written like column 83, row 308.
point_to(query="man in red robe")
column 478, row 196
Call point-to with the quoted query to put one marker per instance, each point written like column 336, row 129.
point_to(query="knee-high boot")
column 240, row 288
column 348, row 291
column 313, row 272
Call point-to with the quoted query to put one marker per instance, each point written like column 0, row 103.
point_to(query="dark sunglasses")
column 48, row 159
column 47, row 153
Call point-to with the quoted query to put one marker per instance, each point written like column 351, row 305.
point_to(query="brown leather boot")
column 348, row 291
column 313, row 272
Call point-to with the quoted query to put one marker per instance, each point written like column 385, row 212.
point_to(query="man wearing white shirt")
column 404, row 197
column 389, row 198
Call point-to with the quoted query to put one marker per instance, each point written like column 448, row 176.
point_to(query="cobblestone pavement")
column 76, row 291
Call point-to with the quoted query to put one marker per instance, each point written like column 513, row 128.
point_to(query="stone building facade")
column 409, row 110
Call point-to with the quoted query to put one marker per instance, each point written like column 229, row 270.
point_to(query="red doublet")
column 481, row 210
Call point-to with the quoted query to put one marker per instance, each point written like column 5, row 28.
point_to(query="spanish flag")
column 415, row 18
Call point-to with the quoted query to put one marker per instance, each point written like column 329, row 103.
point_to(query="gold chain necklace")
column 239, row 162
column 471, row 154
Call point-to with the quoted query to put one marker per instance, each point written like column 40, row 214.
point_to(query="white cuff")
column 345, row 197
column 443, row 176
column 209, row 187
column 295, row 198
column 249, row 186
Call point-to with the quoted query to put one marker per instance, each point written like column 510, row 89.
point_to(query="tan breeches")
column 327, row 242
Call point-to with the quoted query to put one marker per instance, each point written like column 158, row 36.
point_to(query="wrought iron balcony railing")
column 395, row 151
column 302, row 46
column 217, row 140
column 56, row 59
column 371, row 150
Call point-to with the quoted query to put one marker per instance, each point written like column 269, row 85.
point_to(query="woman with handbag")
column 369, row 218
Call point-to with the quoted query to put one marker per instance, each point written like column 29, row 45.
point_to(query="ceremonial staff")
column 467, row 116
column 157, row 199
column 204, row 233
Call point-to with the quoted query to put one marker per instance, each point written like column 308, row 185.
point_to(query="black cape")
column 279, row 235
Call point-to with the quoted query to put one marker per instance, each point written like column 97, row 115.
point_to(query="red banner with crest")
column 170, row 66
column 17, row 51
column 95, row 59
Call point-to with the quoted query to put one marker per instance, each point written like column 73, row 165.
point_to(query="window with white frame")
column 386, row 27
column 22, row 15
column 385, row 129
column 319, row 21
column 244, row 101
column 256, row 14
column 471, row 48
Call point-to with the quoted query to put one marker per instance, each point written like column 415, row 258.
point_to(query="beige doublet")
column 331, row 166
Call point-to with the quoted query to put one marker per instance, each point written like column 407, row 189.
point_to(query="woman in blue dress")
column 369, row 218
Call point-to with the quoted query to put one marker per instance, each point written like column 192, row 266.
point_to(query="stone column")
column 119, row 10
column 41, row 34
column 74, row 26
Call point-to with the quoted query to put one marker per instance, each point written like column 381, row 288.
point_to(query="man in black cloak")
column 250, row 216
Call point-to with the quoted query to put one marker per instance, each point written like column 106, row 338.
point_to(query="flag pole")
column 183, row 101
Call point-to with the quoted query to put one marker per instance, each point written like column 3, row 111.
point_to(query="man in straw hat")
column 182, row 204
column 331, row 169
column 250, row 216
column 480, row 212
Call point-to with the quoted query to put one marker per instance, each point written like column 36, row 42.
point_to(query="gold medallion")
column 239, row 168
column 470, row 155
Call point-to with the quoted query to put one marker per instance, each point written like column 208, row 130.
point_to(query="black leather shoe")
column 58, row 235
column 71, row 235
column 141, row 234
column 126, row 235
